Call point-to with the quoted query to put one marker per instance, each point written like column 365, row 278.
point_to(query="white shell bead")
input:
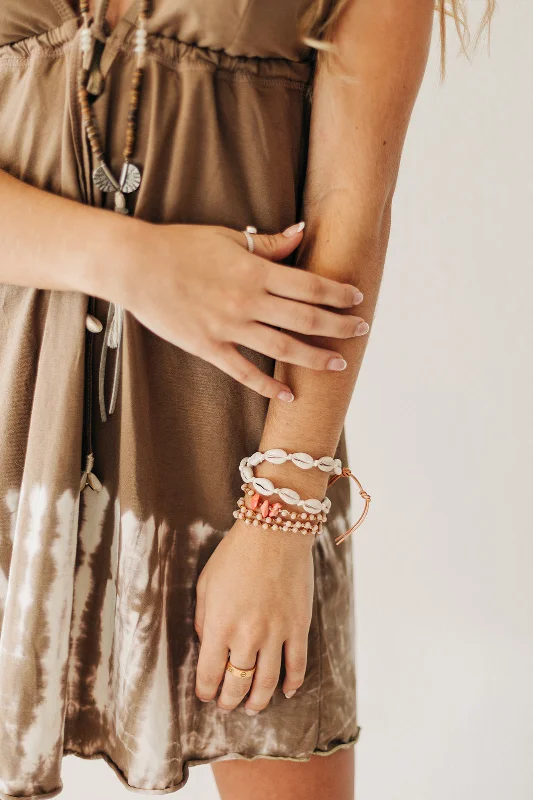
column 289, row 496
column 312, row 506
column 303, row 460
column 263, row 486
column 326, row 505
column 326, row 463
column 254, row 459
column 247, row 473
column 93, row 324
column 276, row 456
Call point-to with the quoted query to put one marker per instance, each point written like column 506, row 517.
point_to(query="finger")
column 308, row 319
column 295, row 658
column 266, row 677
column 283, row 347
column 227, row 358
column 274, row 246
column 299, row 284
column 199, row 613
column 211, row 665
column 234, row 687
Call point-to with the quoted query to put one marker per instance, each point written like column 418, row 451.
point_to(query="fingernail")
column 362, row 328
column 288, row 695
column 204, row 699
column 357, row 297
column 294, row 229
column 251, row 712
column 286, row 397
column 337, row 364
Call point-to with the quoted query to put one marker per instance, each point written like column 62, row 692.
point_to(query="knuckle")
column 316, row 358
column 207, row 678
column 244, row 373
column 308, row 319
column 349, row 326
column 234, row 691
column 269, row 240
column 314, row 288
column 297, row 664
column 281, row 347
column 267, row 681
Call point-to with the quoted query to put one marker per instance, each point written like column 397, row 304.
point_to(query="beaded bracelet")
column 284, row 513
column 284, row 521
column 279, row 456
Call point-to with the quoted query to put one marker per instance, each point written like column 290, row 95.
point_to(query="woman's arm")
column 254, row 596
column 194, row 285
column 358, row 127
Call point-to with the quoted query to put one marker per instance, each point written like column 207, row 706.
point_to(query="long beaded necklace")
column 130, row 176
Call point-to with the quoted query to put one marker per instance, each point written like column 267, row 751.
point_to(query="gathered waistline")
column 173, row 53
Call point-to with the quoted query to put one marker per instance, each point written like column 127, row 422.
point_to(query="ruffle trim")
column 186, row 768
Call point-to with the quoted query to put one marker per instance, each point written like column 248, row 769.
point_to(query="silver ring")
column 248, row 233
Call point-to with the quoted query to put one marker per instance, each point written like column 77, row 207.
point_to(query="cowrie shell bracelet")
column 255, row 510
column 265, row 487
column 279, row 456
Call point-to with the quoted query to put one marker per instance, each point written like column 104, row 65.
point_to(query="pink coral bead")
column 264, row 509
column 254, row 502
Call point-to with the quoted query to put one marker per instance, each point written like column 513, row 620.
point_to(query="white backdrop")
column 440, row 433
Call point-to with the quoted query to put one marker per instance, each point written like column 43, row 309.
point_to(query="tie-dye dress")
column 97, row 588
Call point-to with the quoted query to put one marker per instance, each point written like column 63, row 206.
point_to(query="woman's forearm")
column 49, row 242
column 313, row 421
column 360, row 113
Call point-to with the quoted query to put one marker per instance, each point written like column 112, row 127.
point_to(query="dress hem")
column 186, row 764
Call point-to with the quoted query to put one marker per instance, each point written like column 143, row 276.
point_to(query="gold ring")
column 239, row 673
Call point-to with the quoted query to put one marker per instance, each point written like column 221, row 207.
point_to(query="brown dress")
column 97, row 588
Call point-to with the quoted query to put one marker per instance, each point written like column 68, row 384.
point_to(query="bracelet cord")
column 347, row 473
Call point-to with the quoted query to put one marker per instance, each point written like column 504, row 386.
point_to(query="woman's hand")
column 254, row 598
column 198, row 287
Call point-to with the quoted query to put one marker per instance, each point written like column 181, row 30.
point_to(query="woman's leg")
column 322, row 778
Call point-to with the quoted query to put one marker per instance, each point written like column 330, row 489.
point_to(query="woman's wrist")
column 111, row 262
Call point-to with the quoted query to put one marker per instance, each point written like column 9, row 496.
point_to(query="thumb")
column 278, row 246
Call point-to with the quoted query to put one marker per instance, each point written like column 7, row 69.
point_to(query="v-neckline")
column 70, row 8
column 126, row 16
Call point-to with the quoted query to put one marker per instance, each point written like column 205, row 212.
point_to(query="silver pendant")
column 104, row 180
column 130, row 178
